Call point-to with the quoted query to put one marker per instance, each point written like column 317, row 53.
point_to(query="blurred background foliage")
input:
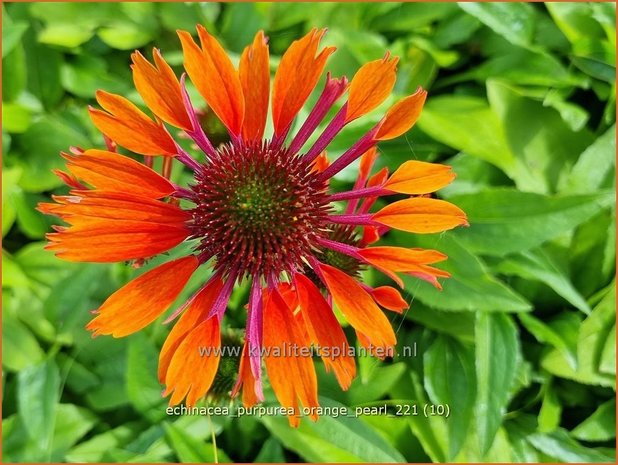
column 520, row 343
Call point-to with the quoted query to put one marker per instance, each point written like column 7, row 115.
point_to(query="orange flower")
column 258, row 208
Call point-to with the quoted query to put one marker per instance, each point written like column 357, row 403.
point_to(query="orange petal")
column 390, row 298
column 367, row 160
column 379, row 352
column 418, row 177
column 298, row 72
column 113, row 172
column 141, row 301
column 358, row 307
column 114, row 226
column 399, row 258
column 370, row 235
column 421, row 215
column 402, row 116
column 214, row 75
column 371, row 85
column 160, row 89
column 292, row 377
column 191, row 372
column 127, row 125
column 254, row 74
column 137, row 240
column 320, row 163
column 109, row 209
column 325, row 331
column 379, row 178
column 246, row 380
column 197, row 311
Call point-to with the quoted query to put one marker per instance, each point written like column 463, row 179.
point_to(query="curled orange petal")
column 418, row 177
column 160, row 89
column 254, row 74
column 371, row 85
column 214, row 75
column 358, row 307
column 298, row 72
column 421, row 215
column 197, row 311
column 144, row 299
column 325, row 331
column 113, row 172
column 292, row 377
column 194, row 364
column 128, row 126
column 402, row 116
column 389, row 298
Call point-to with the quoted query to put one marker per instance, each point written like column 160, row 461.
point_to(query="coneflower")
column 260, row 209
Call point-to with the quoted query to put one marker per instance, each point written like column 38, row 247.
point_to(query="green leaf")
column 12, row 33
column 314, row 441
column 459, row 325
column 497, row 356
column 271, row 452
column 16, row 117
column 469, row 125
column 608, row 357
column 513, row 21
column 85, row 75
column 538, row 265
column 411, row 16
column 14, row 74
column 471, row 286
column 20, row 349
column 69, row 299
column 240, row 23
column 543, row 151
column 31, row 222
column 41, row 153
column 124, row 36
column 551, row 410
column 595, row 331
column 450, row 379
column 561, row 447
column 600, row 426
column 596, row 164
column 506, row 221
column 10, row 190
column 575, row 20
column 546, row 334
column 94, row 449
column 188, row 449
column 72, row 423
column 68, row 35
column 43, row 64
column 375, row 383
column 143, row 388
column 431, row 432
column 38, row 395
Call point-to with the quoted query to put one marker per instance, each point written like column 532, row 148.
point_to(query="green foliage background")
column 520, row 343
